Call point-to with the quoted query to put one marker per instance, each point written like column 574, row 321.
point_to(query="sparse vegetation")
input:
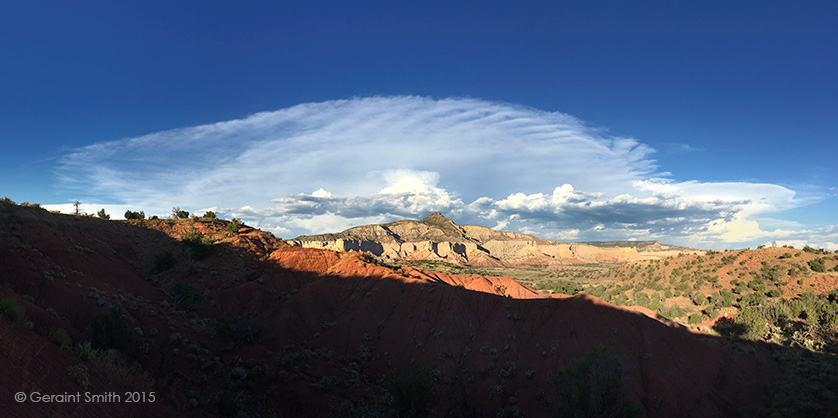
column 60, row 337
column 234, row 226
column 199, row 244
column 10, row 309
column 110, row 330
column 102, row 214
column 184, row 295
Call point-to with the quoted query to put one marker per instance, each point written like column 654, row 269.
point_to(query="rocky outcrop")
column 440, row 239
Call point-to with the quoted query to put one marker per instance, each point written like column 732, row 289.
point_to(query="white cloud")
column 384, row 158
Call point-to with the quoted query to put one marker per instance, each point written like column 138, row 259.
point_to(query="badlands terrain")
column 420, row 318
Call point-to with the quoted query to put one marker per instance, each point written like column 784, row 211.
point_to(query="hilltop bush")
column 234, row 225
column 199, row 244
column 177, row 213
column 134, row 215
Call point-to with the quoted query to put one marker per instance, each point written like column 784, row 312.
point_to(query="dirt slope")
column 261, row 328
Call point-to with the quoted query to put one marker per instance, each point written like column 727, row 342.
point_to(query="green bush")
column 199, row 244
column 675, row 312
column 85, row 351
column 60, row 337
column 102, row 214
column 134, row 215
column 209, row 214
column 79, row 374
column 750, row 324
column 177, row 213
column 234, row 226
column 110, row 330
column 694, row 319
column 10, row 309
column 818, row 265
column 186, row 296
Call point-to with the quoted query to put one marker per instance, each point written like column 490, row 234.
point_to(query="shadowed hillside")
column 222, row 321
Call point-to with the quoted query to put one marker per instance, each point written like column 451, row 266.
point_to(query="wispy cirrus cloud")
column 322, row 167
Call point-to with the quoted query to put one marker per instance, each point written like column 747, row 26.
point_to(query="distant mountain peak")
column 437, row 218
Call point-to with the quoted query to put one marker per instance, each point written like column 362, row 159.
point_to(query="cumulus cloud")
column 322, row 167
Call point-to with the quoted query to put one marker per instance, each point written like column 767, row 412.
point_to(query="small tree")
column 134, row 215
column 177, row 213
column 209, row 214
column 103, row 215
column 76, row 210
column 234, row 225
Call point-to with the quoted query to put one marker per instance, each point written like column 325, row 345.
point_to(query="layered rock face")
column 439, row 238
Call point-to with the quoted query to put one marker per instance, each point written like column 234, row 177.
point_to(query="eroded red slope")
column 301, row 332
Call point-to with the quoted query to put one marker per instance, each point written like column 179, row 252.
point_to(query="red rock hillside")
column 219, row 321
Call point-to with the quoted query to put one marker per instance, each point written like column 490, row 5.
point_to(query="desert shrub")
column 750, row 324
column 177, row 213
column 567, row 288
column 413, row 391
column 10, row 309
column 777, row 312
column 184, row 295
column 60, row 337
column 110, row 330
column 752, row 299
column 234, row 225
column 199, row 244
column 818, row 265
column 209, row 215
column 711, row 311
column 102, row 214
column 725, row 299
column 756, row 285
column 594, row 386
column 85, row 351
column 675, row 312
column 694, row 318
column 79, row 374
column 775, row 293
column 134, row 215
column 164, row 261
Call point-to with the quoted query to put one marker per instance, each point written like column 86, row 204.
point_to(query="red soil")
column 295, row 330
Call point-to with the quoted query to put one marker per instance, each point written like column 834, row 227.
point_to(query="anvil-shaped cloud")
column 326, row 166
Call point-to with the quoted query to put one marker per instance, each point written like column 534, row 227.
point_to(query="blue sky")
column 711, row 124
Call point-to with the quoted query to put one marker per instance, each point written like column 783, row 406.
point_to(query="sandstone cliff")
column 440, row 239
